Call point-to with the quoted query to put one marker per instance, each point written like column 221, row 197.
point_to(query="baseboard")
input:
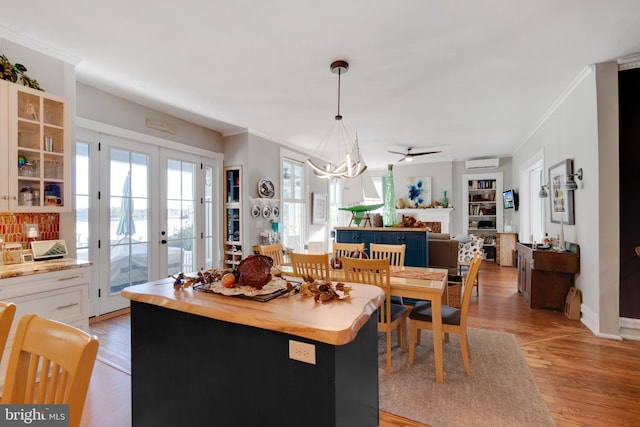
column 107, row 316
column 589, row 319
column 630, row 328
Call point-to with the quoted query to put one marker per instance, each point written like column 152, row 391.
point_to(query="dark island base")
column 189, row 370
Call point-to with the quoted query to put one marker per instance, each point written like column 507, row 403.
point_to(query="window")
column 293, row 204
column 82, row 200
column 336, row 217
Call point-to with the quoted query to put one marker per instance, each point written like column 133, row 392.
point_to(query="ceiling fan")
column 408, row 156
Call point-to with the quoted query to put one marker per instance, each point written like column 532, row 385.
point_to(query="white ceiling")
column 468, row 77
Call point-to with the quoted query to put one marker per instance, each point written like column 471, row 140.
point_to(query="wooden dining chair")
column 341, row 250
column 454, row 320
column 7, row 313
column 312, row 265
column 275, row 252
column 392, row 316
column 66, row 353
column 395, row 253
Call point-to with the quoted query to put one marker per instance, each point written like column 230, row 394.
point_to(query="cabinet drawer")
column 65, row 305
column 42, row 282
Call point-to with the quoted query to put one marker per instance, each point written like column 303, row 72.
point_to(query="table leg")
column 436, row 316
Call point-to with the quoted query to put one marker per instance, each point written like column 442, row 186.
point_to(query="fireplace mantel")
column 441, row 215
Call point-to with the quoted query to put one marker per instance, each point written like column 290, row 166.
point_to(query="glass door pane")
column 209, row 219
column 181, row 203
column 129, row 219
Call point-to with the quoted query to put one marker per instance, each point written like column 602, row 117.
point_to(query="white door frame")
column 88, row 131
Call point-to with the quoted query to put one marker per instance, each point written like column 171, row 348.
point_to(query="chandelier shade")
column 349, row 166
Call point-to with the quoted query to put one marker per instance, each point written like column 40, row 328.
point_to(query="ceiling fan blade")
column 423, row 153
column 397, row 152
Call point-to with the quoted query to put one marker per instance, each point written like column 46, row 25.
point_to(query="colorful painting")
column 419, row 192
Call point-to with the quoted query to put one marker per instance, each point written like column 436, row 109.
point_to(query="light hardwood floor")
column 585, row 380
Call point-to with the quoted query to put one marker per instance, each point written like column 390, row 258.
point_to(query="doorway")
column 155, row 215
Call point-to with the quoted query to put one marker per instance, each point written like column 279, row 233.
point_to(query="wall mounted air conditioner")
column 482, row 164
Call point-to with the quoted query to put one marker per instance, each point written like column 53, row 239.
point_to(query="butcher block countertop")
column 336, row 322
column 37, row 267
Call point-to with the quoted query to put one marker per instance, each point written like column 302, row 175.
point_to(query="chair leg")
column 402, row 336
column 466, row 354
column 414, row 333
column 446, row 337
column 419, row 335
column 388, row 351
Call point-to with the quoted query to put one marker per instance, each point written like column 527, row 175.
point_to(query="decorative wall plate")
column 275, row 212
column 266, row 189
column 256, row 211
column 266, row 212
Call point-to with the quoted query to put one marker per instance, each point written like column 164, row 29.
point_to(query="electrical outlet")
column 302, row 352
column 31, row 231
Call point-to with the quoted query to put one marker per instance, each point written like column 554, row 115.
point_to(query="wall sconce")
column 543, row 191
column 571, row 184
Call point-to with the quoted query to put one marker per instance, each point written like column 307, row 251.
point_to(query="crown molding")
column 586, row 71
column 39, row 46
column 629, row 62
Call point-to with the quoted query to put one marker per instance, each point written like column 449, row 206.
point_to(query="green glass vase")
column 389, row 200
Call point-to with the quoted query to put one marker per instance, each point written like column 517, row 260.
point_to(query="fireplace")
column 434, row 217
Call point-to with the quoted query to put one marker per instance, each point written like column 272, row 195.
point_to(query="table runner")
column 417, row 274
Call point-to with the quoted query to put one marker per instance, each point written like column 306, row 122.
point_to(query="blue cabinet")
column 416, row 251
column 356, row 236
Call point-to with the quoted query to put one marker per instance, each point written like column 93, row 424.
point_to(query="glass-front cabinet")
column 37, row 150
column 232, row 246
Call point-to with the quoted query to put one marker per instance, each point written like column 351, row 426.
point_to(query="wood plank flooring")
column 585, row 380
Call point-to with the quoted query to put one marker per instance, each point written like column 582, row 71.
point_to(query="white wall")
column 100, row 106
column 571, row 131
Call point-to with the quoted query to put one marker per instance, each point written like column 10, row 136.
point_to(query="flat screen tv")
column 510, row 199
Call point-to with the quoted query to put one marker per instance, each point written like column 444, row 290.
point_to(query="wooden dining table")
column 422, row 283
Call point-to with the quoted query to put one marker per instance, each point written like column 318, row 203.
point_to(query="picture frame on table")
column 560, row 199
column 319, row 208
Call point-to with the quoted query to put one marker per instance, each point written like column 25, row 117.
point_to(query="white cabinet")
column 58, row 295
column 34, row 150
column 482, row 208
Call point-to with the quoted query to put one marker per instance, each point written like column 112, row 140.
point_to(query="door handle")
column 164, row 242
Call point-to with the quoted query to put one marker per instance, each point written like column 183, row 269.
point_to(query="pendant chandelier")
column 352, row 164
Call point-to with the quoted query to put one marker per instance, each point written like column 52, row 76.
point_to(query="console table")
column 545, row 276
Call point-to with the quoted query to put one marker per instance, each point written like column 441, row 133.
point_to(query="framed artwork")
column 561, row 202
column 319, row 208
column 418, row 192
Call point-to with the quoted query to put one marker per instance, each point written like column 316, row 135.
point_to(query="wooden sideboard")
column 416, row 239
column 545, row 276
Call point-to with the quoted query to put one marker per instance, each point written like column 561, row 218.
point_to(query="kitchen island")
column 209, row 359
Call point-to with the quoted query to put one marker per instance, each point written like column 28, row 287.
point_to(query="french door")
column 157, row 216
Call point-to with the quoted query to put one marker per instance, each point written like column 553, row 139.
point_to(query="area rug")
column 500, row 392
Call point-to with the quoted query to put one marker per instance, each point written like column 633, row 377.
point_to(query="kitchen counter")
column 38, row 267
column 199, row 358
column 333, row 323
